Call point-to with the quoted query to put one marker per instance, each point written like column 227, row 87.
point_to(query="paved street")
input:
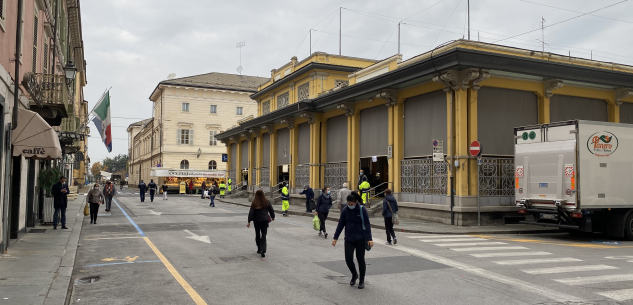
column 182, row 251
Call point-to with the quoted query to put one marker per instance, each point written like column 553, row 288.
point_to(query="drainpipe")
column 16, row 77
column 452, row 152
column 55, row 37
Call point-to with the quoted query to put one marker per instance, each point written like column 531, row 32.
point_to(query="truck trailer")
column 576, row 175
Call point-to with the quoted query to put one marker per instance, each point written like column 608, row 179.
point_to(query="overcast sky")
column 131, row 45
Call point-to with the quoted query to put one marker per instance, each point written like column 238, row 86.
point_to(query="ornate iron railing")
column 335, row 176
column 496, row 179
column 302, row 175
column 424, row 176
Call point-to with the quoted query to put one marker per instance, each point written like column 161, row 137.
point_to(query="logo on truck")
column 602, row 144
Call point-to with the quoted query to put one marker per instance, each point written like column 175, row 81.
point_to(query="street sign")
column 475, row 148
column 225, row 158
column 479, row 160
column 389, row 152
column 438, row 150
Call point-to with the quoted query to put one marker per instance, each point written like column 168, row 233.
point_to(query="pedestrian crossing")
column 501, row 253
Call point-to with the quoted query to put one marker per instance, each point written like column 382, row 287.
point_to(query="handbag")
column 86, row 208
column 362, row 219
column 394, row 217
column 312, row 204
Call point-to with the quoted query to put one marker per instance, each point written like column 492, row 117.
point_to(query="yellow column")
column 238, row 165
column 543, row 109
column 461, row 141
column 353, row 148
column 251, row 161
column 228, row 157
column 398, row 144
column 450, row 131
column 273, row 157
column 323, row 157
column 315, row 150
column 614, row 112
column 259, row 155
column 294, row 154
column 472, row 136
column 390, row 139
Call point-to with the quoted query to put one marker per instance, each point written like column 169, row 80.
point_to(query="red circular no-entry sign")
column 475, row 148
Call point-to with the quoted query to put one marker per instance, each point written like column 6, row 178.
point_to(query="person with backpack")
column 389, row 209
column 261, row 213
column 164, row 187
column 109, row 191
column 324, row 203
column 152, row 189
column 355, row 220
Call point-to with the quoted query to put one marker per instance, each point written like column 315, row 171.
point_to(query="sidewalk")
column 414, row 225
column 38, row 267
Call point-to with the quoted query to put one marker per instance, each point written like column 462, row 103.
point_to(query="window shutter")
column 178, row 132
column 190, row 136
column 35, row 28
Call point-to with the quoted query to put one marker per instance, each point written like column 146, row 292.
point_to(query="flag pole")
column 100, row 99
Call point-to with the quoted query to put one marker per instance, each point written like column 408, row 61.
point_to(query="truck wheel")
column 628, row 227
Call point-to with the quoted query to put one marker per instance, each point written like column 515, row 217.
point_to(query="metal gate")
column 496, row 181
column 335, row 176
column 424, row 180
column 265, row 177
column 232, row 177
column 302, row 176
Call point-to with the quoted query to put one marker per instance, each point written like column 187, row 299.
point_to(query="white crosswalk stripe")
column 596, row 279
column 538, row 261
column 472, row 249
column 471, row 244
column 452, row 240
column 438, row 236
column 569, row 269
column 501, row 254
column 618, row 295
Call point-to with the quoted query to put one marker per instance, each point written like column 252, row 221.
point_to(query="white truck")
column 576, row 175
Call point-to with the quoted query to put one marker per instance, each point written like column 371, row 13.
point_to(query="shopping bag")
column 316, row 223
column 86, row 210
column 206, row 194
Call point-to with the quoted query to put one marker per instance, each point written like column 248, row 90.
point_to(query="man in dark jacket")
column 60, row 193
column 389, row 207
column 152, row 189
column 142, row 187
column 307, row 190
column 203, row 187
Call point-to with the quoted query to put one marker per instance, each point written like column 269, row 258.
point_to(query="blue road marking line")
column 107, row 264
column 130, row 219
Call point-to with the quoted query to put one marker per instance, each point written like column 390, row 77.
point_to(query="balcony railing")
column 48, row 90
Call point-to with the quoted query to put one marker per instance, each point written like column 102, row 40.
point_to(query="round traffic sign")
column 475, row 148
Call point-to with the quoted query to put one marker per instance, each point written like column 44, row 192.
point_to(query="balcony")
column 48, row 96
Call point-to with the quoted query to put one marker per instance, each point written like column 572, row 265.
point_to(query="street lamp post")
column 71, row 71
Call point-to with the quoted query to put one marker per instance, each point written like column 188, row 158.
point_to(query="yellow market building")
column 323, row 119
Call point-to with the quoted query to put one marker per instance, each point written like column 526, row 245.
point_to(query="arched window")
column 213, row 164
column 184, row 164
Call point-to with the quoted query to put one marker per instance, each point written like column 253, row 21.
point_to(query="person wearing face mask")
column 355, row 237
column 324, row 203
column 95, row 198
column 361, row 178
column 109, row 191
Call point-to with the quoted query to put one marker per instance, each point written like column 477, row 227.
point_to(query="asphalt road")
column 181, row 251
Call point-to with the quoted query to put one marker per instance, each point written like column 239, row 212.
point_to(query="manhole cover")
column 86, row 280
column 37, row 231
column 234, row 259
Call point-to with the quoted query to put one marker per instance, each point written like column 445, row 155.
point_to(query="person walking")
column 60, row 202
column 222, row 189
column 261, row 213
column 361, row 178
column 190, row 187
column 324, row 203
column 122, row 184
column 142, row 187
column 152, row 189
column 109, row 191
column 212, row 190
column 203, row 188
column 164, row 187
column 342, row 197
column 95, row 198
column 285, row 199
column 355, row 220
column 364, row 191
column 307, row 190
column 389, row 207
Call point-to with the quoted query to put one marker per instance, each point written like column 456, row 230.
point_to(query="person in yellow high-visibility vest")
column 229, row 185
column 364, row 191
column 285, row 199
column 222, row 189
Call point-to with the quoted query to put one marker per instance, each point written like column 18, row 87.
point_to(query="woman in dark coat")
column 355, row 236
column 259, row 215
column 323, row 205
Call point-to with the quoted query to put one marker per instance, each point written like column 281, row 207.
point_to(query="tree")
column 97, row 168
column 117, row 165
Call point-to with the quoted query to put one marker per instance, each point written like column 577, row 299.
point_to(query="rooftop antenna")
column 468, row 19
column 240, row 45
column 542, row 40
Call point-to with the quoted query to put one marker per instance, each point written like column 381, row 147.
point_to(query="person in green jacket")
column 229, row 185
column 364, row 191
column 285, row 199
column 222, row 188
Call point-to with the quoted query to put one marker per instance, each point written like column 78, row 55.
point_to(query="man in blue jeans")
column 60, row 203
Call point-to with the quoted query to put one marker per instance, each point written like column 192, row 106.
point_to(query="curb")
column 414, row 231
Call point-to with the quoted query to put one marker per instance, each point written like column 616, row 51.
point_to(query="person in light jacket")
column 95, row 198
column 355, row 237
column 388, row 202
column 259, row 214
column 307, row 190
column 324, row 203
column 342, row 197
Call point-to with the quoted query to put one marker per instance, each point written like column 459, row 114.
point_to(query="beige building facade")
column 187, row 114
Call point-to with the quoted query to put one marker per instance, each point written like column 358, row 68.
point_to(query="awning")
column 161, row 172
column 34, row 137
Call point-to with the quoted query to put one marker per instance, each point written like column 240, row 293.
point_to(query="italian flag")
column 102, row 120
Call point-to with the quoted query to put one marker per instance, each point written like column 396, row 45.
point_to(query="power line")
column 568, row 10
column 561, row 21
column 328, row 24
column 394, row 29
column 449, row 19
column 376, row 40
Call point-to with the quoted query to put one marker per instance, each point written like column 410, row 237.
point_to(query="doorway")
column 244, row 179
column 377, row 172
column 283, row 173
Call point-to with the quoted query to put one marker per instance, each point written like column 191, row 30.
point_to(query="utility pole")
column 398, row 37
column 310, row 42
column 340, row 19
column 543, row 33
column 468, row 19
column 239, row 46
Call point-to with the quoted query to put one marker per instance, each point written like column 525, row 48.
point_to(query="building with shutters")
column 386, row 120
column 187, row 114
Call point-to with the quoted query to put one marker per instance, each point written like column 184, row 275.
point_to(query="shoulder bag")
column 362, row 219
column 394, row 217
